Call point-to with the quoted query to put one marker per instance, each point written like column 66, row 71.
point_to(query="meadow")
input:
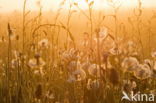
column 78, row 55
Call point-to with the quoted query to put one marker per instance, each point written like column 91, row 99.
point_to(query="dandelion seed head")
column 148, row 62
column 103, row 32
column 36, row 63
column 111, row 45
column 69, row 55
column 72, row 65
column 94, row 70
column 15, row 63
column 50, row 95
column 17, row 54
column 143, row 72
column 71, row 79
column 32, row 63
column 86, row 65
column 80, row 73
column 44, row 43
column 153, row 54
column 93, row 84
column 115, row 51
column 129, row 63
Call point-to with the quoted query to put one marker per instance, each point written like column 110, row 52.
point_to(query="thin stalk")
column 23, row 23
column 91, row 23
column 98, row 50
column 68, row 22
column 9, row 58
column 54, row 25
column 52, row 36
column 138, row 17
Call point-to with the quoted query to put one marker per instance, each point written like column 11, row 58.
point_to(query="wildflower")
column 43, row 43
column 129, row 63
column 103, row 32
column 69, row 55
column 36, row 62
column 93, row 84
column 110, row 46
column 115, row 51
column 50, row 95
column 72, row 65
column 32, row 63
column 80, row 73
column 86, row 65
column 143, row 72
column 153, row 54
column 17, row 54
column 66, row 56
column 15, row 63
column 94, row 70
column 148, row 62
column 71, row 78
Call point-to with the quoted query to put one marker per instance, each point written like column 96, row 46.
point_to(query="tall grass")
column 48, row 63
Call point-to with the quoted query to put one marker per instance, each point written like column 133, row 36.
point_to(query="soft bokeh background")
column 50, row 53
column 10, row 5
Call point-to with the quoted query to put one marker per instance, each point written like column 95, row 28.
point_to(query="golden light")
column 10, row 5
column 98, row 4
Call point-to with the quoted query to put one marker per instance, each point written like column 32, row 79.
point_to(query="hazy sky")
column 9, row 5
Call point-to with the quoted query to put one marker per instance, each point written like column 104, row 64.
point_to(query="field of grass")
column 77, row 55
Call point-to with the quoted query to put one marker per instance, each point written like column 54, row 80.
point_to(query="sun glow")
column 10, row 5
